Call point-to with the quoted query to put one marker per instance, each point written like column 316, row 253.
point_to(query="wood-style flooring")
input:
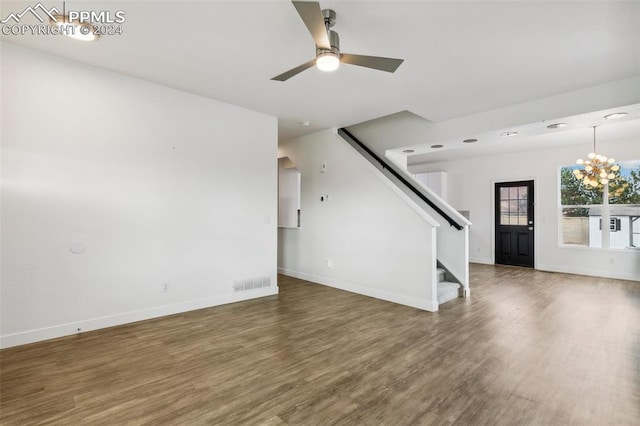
column 528, row 347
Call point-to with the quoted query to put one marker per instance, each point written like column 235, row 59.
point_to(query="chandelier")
column 598, row 169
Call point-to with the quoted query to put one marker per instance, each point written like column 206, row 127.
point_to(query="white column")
column 605, row 216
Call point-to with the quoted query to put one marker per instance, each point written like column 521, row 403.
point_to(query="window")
column 581, row 209
column 615, row 224
column 513, row 205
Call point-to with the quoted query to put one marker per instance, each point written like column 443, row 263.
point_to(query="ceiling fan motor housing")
column 334, row 40
column 329, row 16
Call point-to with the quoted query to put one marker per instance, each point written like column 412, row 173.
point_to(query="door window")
column 514, row 205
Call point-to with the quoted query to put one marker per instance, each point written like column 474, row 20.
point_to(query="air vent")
column 251, row 284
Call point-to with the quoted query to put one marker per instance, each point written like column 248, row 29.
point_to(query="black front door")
column 514, row 223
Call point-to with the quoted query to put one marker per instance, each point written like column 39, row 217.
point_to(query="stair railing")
column 346, row 134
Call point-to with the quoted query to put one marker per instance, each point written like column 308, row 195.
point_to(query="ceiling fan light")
column 83, row 31
column 327, row 61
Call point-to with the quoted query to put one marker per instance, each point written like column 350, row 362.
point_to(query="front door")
column 514, row 223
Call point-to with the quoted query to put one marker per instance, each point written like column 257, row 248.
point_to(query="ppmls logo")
column 80, row 24
column 49, row 14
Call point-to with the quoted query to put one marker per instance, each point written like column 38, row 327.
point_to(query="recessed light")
column 614, row 115
column 556, row 125
column 508, row 134
column 408, row 151
column 470, row 140
column 437, row 146
column 83, row 31
column 306, row 123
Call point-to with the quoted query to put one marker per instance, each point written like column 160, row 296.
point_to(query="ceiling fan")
column 328, row 56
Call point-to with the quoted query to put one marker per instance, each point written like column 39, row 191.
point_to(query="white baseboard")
column 414, row 302
column 577, row 271
column 31, row 336
column 591, row 273
column 482, row 260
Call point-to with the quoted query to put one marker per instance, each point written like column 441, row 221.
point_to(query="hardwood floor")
column 528, row 347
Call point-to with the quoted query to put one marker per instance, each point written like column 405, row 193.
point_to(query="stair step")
column 447, row 291
column 440, row 272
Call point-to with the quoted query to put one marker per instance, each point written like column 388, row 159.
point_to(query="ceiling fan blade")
column 297, row 70
column 311, row 15
column 375, row 62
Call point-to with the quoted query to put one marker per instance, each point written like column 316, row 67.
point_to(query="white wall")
column 377, row 242
column 478, row 176
column 160, row 186
column 435, row 181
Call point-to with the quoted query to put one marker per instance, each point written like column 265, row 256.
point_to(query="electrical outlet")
column 612, row 260
column 165, row 287
column 329, row 264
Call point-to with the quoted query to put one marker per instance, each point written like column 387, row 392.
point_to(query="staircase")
column 451, row 228
column 447, row 290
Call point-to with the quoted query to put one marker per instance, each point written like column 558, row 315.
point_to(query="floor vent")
column 251, row 284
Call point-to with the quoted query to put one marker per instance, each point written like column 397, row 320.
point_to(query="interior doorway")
column 289, row 180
